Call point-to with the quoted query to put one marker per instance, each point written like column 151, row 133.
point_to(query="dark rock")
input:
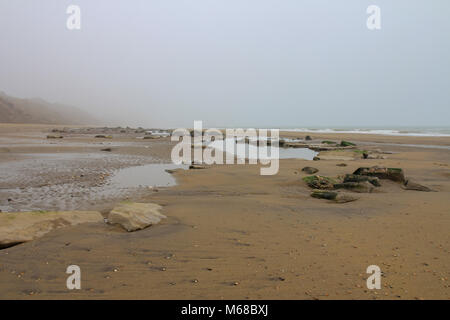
column 294, row 145
column 106, row 150
column 54, row 137
column 308, row 138
column 328, row 195
column 341, row 165
column 310, row 170
column 370, row 155
column 58, row 130
column 409, row 185
column 319, row 182
column 347, row 144
column 334, row 196
column 357, row 178
column 360, row 187
column 197, row 166
column 316, row 158
column 196, row 133
column 344, row 198
column 394, row 174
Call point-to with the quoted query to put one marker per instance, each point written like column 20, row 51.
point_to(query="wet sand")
column 234, row 234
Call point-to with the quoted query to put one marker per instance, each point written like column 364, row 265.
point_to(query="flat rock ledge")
column 134, row 216
column 19, row 227
column 333, row 196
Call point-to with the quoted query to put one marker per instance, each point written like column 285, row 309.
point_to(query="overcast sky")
column 273, row 63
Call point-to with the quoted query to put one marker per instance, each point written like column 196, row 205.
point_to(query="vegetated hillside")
column 16, row 110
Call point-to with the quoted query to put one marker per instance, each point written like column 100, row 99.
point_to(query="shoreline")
column 233, row 234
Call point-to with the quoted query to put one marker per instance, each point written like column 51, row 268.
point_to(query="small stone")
column 310, row 170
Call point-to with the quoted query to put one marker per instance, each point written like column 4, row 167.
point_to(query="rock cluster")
column 320, row 182
column 363, row 180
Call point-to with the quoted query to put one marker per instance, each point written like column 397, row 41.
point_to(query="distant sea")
column 404, row 131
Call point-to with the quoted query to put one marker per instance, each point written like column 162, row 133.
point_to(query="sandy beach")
column 230, row 233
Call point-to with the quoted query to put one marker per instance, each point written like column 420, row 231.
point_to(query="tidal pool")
column 253, row 152
column 154, row 175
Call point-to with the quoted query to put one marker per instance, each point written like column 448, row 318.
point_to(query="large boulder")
column 357, row 178
column 394, row 174
column 135, row 216
column 319, row 182
column 19, row 227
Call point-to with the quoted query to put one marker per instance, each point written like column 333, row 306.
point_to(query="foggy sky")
column 272, row 63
